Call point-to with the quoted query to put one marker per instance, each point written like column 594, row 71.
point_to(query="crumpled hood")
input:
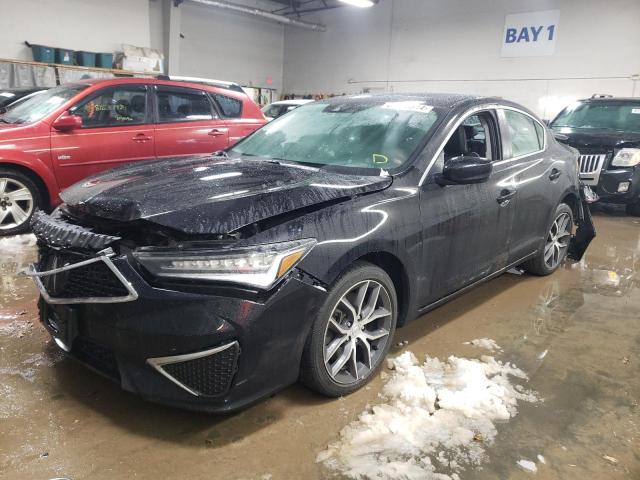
column 212, row 195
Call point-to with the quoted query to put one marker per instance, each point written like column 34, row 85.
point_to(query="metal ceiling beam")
column 256, row 12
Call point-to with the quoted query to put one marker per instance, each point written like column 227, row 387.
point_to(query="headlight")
column 258, row 266
column 626, row 157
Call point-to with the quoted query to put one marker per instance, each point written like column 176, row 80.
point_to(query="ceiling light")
column 359, row 3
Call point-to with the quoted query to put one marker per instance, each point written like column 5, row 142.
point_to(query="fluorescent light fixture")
column 359, row 3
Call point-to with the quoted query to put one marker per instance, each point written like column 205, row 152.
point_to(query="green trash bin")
column 86, row 59
column 42, row 53
column 64, row 56
column 104, row 60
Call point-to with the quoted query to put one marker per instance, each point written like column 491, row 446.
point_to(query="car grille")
column 590, row 167
column 94, row 280
column 208, row 375
column 591, row 163
column 97, row 356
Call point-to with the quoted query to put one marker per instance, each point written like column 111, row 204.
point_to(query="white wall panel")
column 92, row 25
column 454, row 46
column 231, row 46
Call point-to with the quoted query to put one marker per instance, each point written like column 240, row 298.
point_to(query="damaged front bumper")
column 191, row 346
column 586, row 231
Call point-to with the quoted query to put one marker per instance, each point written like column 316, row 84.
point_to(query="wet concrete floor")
column 576, row 333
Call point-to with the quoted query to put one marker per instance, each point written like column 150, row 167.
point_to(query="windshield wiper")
column 4, row 120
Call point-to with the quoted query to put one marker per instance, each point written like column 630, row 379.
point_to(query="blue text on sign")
column 530, row 34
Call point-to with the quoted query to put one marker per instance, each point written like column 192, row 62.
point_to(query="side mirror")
column 67, row 122
column 465, row 170
column 560, row 137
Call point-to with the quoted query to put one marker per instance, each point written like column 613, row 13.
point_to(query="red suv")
column 72, row 131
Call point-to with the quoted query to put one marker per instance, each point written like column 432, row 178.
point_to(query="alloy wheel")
column 357, row 332
column 558, row 240
column 16, row 203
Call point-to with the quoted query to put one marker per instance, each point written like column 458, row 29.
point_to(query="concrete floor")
column 58, row 419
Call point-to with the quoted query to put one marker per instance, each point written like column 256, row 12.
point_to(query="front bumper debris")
column 586, row 231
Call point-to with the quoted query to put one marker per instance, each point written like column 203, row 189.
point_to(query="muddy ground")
column 576, row 334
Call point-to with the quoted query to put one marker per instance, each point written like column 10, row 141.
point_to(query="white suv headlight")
column 257, row 266
column 626, row 157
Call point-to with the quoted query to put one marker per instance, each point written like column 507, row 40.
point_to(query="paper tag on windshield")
column 408, row 106
column 636, row 111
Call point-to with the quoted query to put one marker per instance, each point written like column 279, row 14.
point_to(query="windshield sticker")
column 379, row 159
column 7, row 94
column 636, row 111
column 408, row 106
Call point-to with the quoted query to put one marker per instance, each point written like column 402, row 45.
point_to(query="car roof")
column 611, row 99
column 443, row 100
column 295, row 101
column 164, row 81
column 23, row 89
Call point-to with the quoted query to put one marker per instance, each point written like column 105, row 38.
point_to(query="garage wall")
column 454, row 45
column 231, row 46
column 94, row 25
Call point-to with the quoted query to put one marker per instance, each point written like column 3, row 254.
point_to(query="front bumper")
column 213, row 351
column 610, row 180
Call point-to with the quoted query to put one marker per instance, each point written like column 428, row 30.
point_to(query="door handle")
column 555, row 174
column 141, row 137
column 506, row 195
column 216, row 133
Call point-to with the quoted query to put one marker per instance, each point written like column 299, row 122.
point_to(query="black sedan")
column 9, row 97
column 210, row 282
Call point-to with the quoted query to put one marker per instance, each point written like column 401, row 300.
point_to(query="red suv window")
column 230, row 107
column 115, row 106
column 183, row 105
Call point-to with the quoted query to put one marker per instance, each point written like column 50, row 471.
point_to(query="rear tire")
column 352, row 332
column 20, row 197
column 633, row 209
column 556, row 244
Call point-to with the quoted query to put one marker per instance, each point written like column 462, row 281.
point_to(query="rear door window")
column 526, row 135
column 230, row 107
column 183, row 105
column 114, row 106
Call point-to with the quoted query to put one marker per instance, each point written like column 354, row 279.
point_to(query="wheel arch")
column 571, row 199
column 396, row 270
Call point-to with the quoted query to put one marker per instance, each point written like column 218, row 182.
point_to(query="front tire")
column 19, row 198
column 352, row 333
column 556, row 244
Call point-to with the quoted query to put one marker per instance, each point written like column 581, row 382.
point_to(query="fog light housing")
column 623, row 187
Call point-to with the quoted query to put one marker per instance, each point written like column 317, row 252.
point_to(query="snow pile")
column 487, row 343
column 528, row 465
column 8, row 244
column 438, row 415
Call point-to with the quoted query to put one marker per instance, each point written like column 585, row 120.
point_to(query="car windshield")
column 41, row 105
column 360, row 134
column 601, row 115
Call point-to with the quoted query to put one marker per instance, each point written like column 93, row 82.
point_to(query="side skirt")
column 457, row 293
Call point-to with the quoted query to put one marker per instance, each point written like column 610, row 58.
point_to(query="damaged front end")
column 586, row 231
